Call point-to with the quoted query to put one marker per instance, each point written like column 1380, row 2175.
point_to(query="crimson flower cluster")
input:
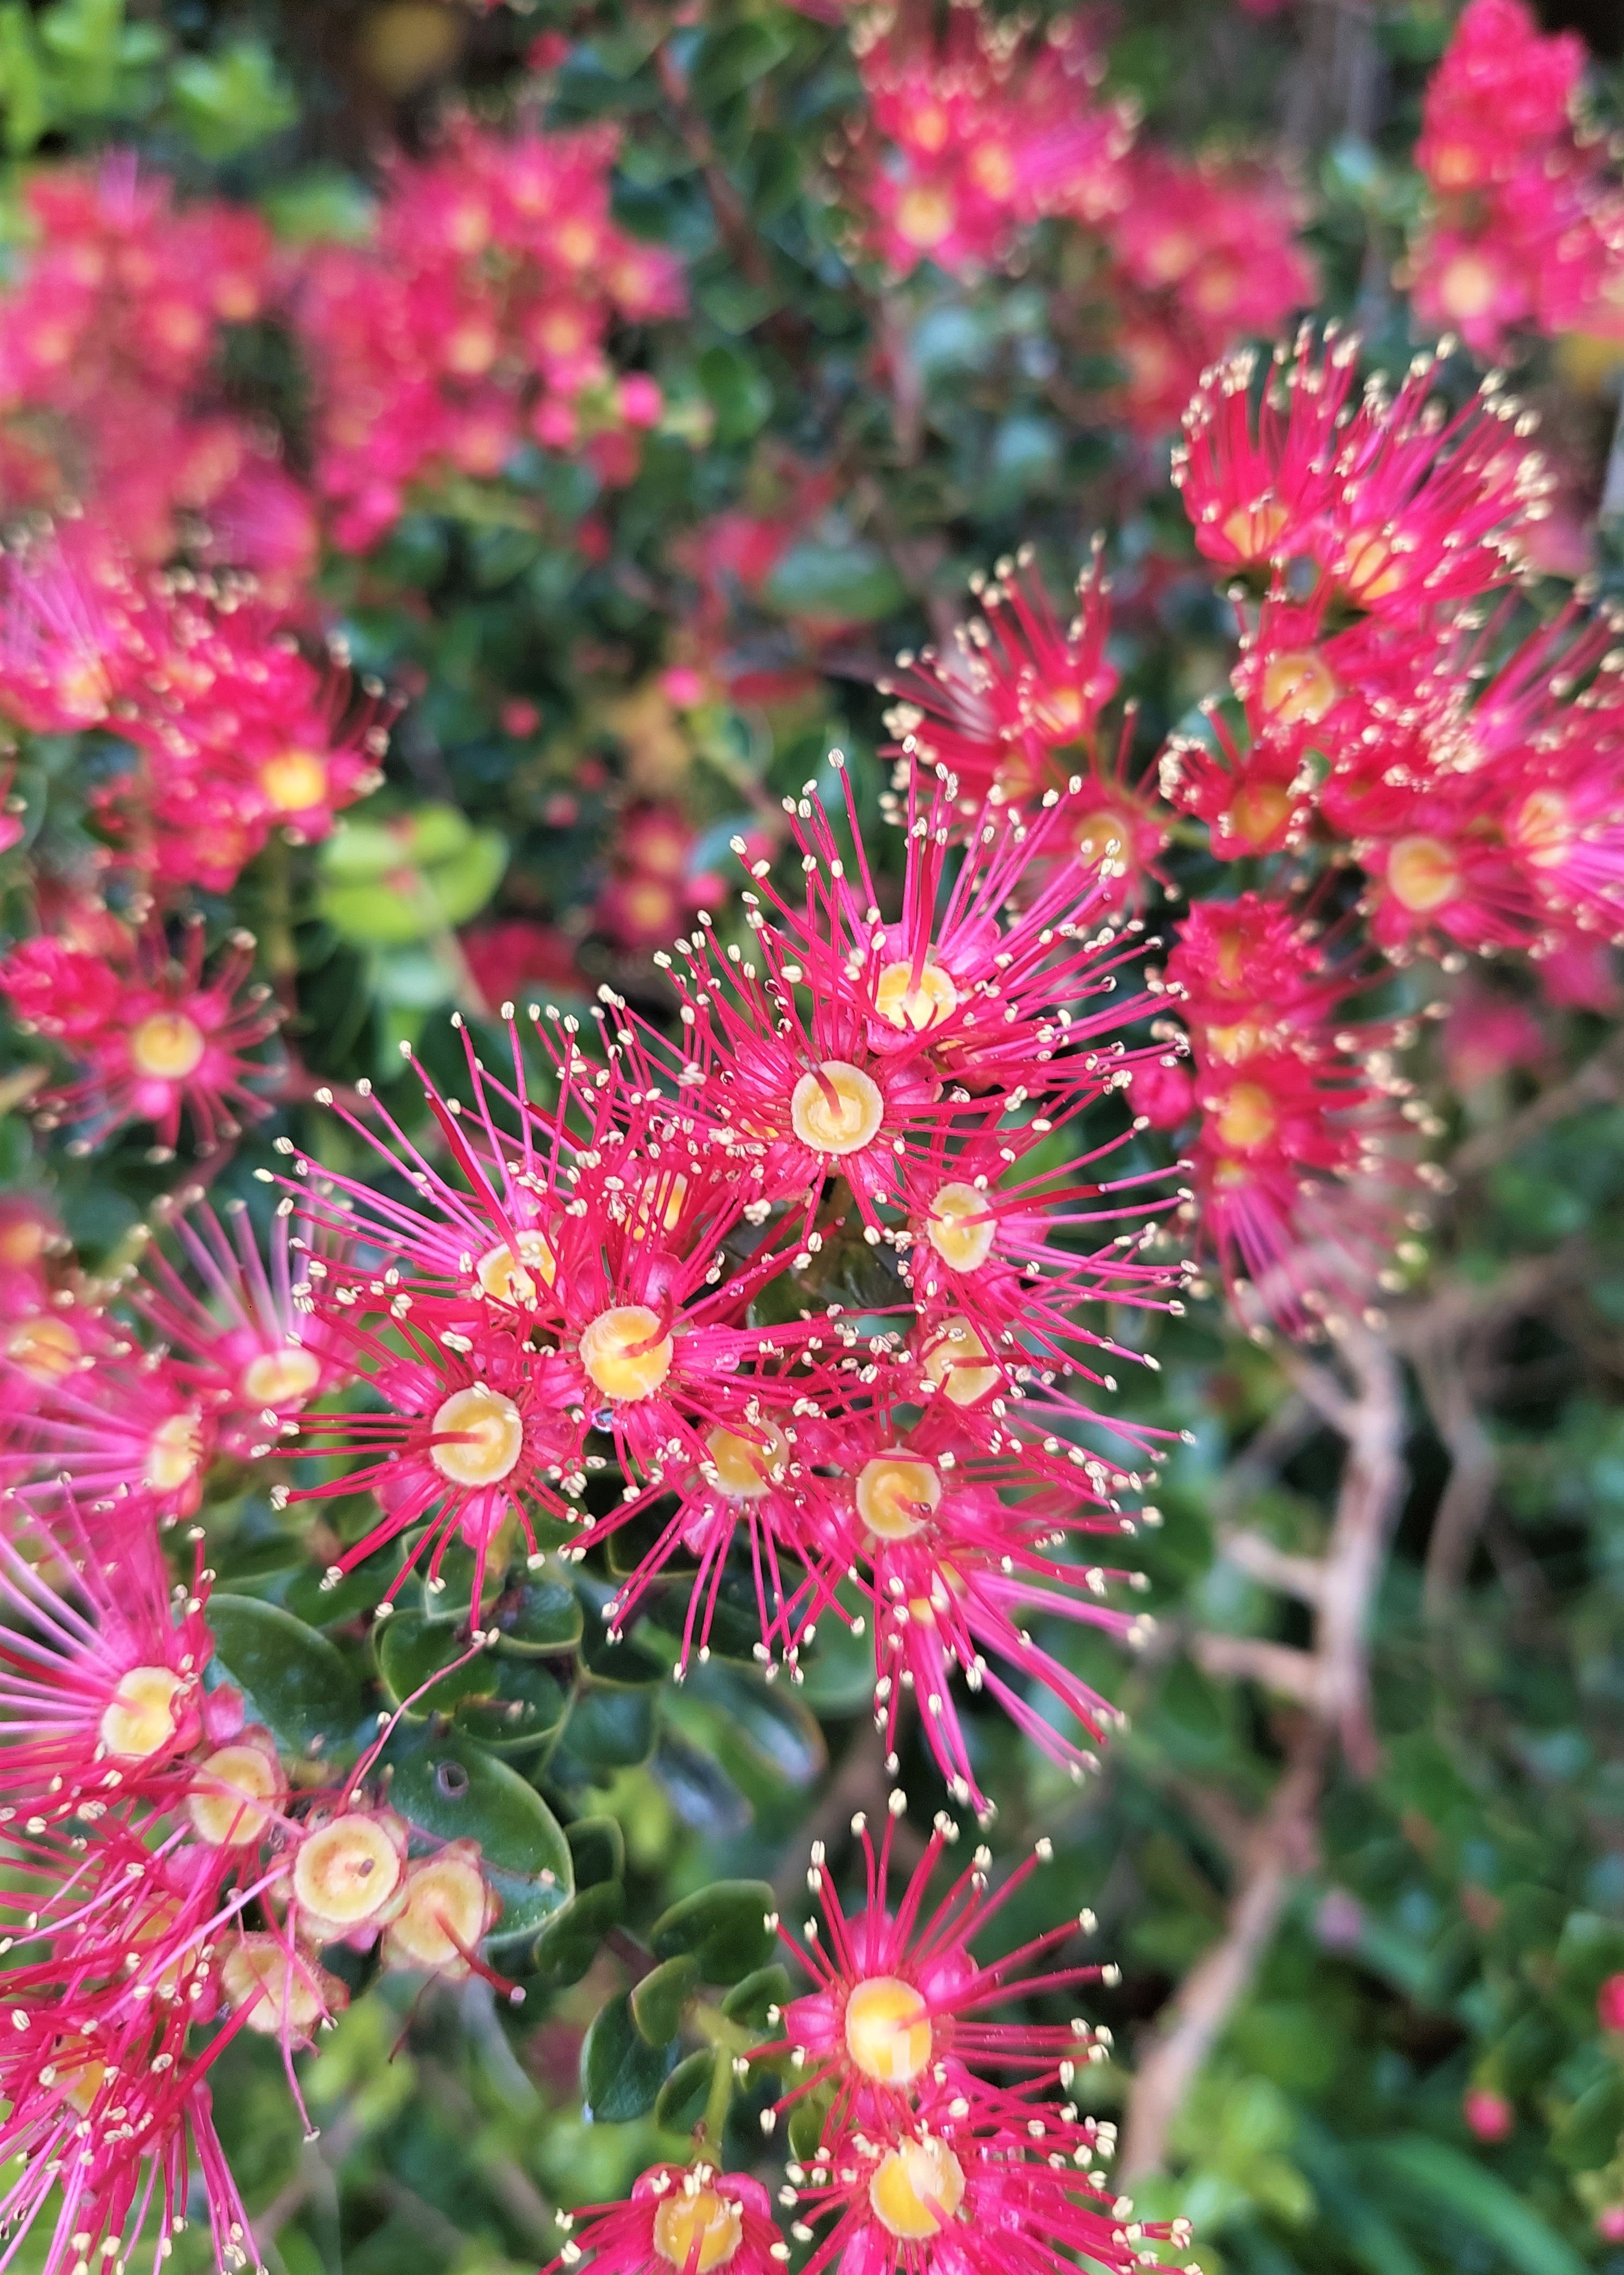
column 106, row 350
column 1526, row 228
column 478, row 318
column 814, row 1280
column 945, row 2139
column 168, row 1884
column 974, row 135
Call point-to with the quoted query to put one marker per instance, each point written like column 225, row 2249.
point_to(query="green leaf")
column 567, row 1947
column 753, row 2001
column 452, row 1789
column 541, row 1616
column 324, row 205
column 738, row 390
column 684, row 2098
column 612, row 1729
column 849, row 584
column 658, row 2001
column 22, row 83
column 621, row 2073
column 411, row 1650
column 599, row 1848
column 724, row 1926
column 728, row 61
column 1446, row 2180
column 1588, row 2136
column 806, row 2123
column 292, row 1680
column 226, row 102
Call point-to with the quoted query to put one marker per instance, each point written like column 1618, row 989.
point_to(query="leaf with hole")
column 454, row 1790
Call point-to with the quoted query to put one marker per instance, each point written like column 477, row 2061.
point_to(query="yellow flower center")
column 510, row 1278
column 836, row 1110
column 660, row 1203
column 917, row 2189
column 747, row 1466
column 1254, row 530
column 258, row 1974
column 1468, row 287
column 173, row 1453
column 924, row 215
column 913, row 1000
column 960, row 1227
column 166, row 1047
column 281, row 1378
column 233, row 1791
column 706, row 2219
column 1541, row 828
column 1423, row 875
column 1259, row 810
column 77, row 2075
column 1299, row 687
column 1246, row 1118
column 896, row 1494
column 44, row 1348
column 141, row 1717
column 1103, row 836
column 955, row 1360
column 293, row 781
column 481, row 1437
column 443, row 1916
column 346, row 1872
column 993, row 171
column 624, row 1352
column 1370, row 570
column 888, row 2030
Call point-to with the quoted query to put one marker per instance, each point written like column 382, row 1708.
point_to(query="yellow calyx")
column 1299, row 687
column 1103, row 836
column 924, row 215
column 348, row 1871
column 448, row 1908
column 897, row 1495
column 76, row 2074
column 959, row 1363
column 1254, row 530
column 142, row 1716
column 481, row 1436
column 1541, row 828
column 234, row 1791
column 838, row 1109
column 888, row 2030
column 281, row 1378
column 166, row 1047
column 512, row 1277
column 45, row 1348
column 173, row 1453
column 1371, row 569
column 293, row 781
column 960, row 1227
column 1258, row 809
column 917, row 2189
column 712, row 2220
column 624, row 1352
column 914, row 999
column 1423, row 875
column 258, row 1974
column 1246, row 1118
column 747, row 1466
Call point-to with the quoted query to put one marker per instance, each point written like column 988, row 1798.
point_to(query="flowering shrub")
column 692, row 1174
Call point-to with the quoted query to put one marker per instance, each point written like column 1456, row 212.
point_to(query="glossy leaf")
column 291, row 1678
column 621, row 2073
column 724, row 1926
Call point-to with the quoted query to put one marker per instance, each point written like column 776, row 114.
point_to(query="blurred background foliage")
column 1409, row 2076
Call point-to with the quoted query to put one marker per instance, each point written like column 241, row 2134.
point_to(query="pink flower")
column 679, row 2221
column 899, row 1992
column 1487, row 2113
column 1610, row 2003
